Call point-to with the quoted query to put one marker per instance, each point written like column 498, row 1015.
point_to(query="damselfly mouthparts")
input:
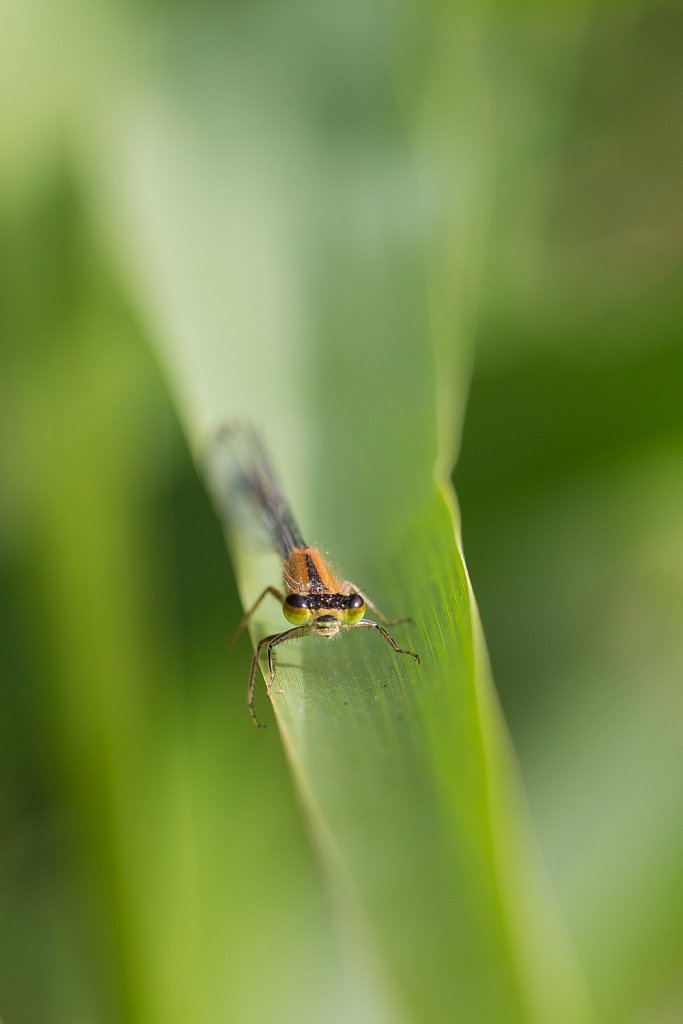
column 313, row 599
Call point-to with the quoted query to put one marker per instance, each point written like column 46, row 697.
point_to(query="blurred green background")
column 153, row 862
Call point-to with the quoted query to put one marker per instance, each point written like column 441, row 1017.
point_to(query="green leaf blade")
column 404, row 771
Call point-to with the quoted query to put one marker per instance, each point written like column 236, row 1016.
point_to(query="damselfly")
column 314, row 600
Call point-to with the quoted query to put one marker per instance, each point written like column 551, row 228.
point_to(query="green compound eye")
column 355, row 609
column 295, row 609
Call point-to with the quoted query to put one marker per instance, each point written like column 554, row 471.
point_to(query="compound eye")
column 355, row 609
column 295, row 609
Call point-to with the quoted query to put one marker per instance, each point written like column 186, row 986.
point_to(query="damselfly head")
column 325, row 613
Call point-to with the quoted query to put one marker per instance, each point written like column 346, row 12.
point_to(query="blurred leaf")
column 137, row 814
column 270, row 221
column 570, row 483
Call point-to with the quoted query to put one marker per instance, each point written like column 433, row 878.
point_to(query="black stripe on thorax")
column 315, row 583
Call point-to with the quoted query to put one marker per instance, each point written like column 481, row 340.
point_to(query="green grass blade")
column 299, row 197
column 404, row 771
column 282, row 275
